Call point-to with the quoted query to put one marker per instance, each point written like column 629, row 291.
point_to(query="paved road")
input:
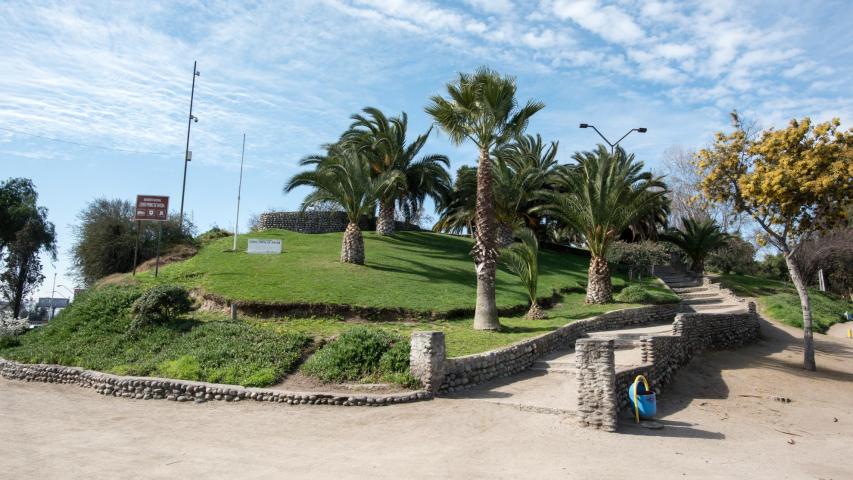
column 720, row 423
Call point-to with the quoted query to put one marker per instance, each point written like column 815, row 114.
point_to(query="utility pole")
column 187, row 155
column 239, row 189
column 52, row 294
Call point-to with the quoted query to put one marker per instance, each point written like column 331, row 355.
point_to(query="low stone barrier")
column 319, row 222
column 662, row 356
column 464, row 372
column 148, row 388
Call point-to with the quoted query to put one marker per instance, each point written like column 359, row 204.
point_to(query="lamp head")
column 584, row 125
column 642, row 129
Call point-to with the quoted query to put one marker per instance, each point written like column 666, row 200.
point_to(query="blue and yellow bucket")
column 642, row 399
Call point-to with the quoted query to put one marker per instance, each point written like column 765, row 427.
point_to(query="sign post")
column 153, row 208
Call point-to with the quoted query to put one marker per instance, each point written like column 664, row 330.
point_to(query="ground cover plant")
column 779, row 300
column 363, row 354
column 94, row 333
column 418, row 271
column 460, row 338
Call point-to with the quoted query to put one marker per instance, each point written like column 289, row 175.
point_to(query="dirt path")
column 720, row 424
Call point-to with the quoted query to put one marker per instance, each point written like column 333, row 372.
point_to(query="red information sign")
column 152, row 207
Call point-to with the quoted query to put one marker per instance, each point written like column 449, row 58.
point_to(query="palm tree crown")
column 697, row 238
column 599, row 197
column 383, row 142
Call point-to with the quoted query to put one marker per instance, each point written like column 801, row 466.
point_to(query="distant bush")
column 213, row 234
column 639, row 257
column 9, row 341
column 159, row 305
column 643, row 295
column 362, row 354
column 737, row 256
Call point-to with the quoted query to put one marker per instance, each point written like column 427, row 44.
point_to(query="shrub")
column 213, row 234
column 737, row 256
column 362, row 354
column 644, row 295
column 639, row 257
column 159, row 305
column 9, row 341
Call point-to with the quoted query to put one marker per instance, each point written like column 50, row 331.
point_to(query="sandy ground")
column 720, row 423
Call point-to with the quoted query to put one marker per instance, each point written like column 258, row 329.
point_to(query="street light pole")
column 613, row 145
column 52, row 295
column 187, row 150
column 239, row 190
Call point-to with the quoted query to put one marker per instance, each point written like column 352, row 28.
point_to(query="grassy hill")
column 418, row 271
column 780, row 301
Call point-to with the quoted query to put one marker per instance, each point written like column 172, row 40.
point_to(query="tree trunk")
column 535, row 312
column 352, row 245
column 484, row 252
column 802, row 291
column 598, row 287
column 698, row 267
column 385, row 221
column 504, row 235
column 18, row 298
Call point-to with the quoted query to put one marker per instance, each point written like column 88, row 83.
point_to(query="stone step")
column 716, row 306
column 698, row 295
column 554, row 366
column 704, row 300
column 679, row 279
column 684, row 284
column 681, row 290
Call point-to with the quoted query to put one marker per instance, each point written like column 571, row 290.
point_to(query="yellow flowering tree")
column 794, row 182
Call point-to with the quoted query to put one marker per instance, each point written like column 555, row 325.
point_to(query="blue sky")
column 289, row 74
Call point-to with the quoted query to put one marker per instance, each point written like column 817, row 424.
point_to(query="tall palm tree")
column 383, row 141
column 697, row 238
column 599, row 198
column 522, row 259
column 482, row 108
column 343, row 178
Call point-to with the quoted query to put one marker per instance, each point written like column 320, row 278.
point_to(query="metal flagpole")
column 187, row 151
column 239, row 189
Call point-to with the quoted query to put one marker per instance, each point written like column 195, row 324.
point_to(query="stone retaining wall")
column 464, row 372
column 319, row 222
column 662, row 356
column 147, row 388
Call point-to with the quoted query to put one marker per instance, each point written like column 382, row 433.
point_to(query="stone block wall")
column 693, row 333
column 319, row 222
column 464, row 372
column 147, row 388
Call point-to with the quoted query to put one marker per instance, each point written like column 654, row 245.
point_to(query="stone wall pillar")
column 427, row 358
column 751, row 307
column 597, row 405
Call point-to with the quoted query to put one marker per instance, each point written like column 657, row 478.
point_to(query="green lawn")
column 460, row 337
column 419, row 271
column 780, row 301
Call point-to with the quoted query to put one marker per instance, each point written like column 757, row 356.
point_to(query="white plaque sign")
column 267, row 247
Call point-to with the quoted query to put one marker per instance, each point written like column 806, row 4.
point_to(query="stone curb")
column 150, row 388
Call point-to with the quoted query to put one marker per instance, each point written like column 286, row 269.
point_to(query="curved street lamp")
column 613, row 145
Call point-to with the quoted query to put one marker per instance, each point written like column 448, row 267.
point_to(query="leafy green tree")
column 105, row 238
column 794, row 182
column 639, row 257
column 343, row 177
column 482, row 108
column 522, row 259
column 22, row 266
column 738, row 256
column 598, row 198
column 412, row 180
column 17, row 199
column 457, row 207
column 697, row 238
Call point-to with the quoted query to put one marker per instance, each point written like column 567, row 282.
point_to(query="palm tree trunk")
column 352, row 245
column 598, row 287
column 698, row 267
column 805, row 303
column 504, row 235
column 535, row 312
column 484, row 252
column 385, row 221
